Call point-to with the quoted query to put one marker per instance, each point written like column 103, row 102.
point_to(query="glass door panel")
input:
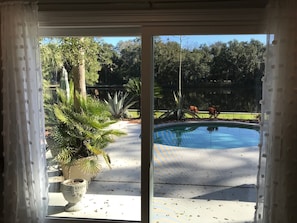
column 109, row 68
column 206, row 133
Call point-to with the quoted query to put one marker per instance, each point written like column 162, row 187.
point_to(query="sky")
column 195, row 40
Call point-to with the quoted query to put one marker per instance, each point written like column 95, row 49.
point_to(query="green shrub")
column 81, row 133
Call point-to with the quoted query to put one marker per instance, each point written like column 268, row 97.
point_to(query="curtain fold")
column 277, row 177
column 25, row 175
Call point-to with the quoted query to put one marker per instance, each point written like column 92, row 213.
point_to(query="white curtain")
column 277, row 178
column 25, row 186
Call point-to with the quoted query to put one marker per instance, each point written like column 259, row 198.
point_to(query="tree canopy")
column 235, row 63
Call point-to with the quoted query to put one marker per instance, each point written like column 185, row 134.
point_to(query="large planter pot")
column 75, row 170
column 73, row 191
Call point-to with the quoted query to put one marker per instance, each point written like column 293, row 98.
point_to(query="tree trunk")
column 79, row 77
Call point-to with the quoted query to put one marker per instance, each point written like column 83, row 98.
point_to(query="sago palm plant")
column 81, row 133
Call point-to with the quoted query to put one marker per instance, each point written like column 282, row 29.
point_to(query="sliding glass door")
column 207, row 90
column 163, row 181
column 100, row 142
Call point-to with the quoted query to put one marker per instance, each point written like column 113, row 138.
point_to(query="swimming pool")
column 208, row 135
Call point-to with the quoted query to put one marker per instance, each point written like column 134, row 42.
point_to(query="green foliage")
column 48, row 100
column 239, row 62
column 178, row 112
column 89, row 165
column 195, row 65
column 51, row 59
column 126, row 64
column 58, row 52
column 129, row 58
column 75, row 51
column 133, row 86
column 166, row 62
column 119, row 104
column 232, row 64
column 83, row 133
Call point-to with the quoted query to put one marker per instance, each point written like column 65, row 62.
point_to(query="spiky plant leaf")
column 65, row 155
column 89, row 165
column 178, row 112
column 119, row 104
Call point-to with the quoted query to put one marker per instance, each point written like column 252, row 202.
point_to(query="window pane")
column 78, row 128
column 207, row 93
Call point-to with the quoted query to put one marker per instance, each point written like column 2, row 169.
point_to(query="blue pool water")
column 210, row 135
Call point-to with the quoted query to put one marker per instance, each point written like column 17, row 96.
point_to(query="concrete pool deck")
column 189, row 185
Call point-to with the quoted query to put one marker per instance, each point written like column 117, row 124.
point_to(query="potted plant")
column 79, row 136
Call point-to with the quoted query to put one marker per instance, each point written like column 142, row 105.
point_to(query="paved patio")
column 189, row 185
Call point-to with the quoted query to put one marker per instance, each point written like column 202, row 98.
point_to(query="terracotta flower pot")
column 73, row 190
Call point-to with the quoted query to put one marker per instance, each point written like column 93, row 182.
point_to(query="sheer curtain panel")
column 277, row 179
column 25, row 179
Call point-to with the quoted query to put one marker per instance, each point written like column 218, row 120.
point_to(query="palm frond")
column 82, row 133
column 90, row 165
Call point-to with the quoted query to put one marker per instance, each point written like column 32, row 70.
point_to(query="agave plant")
column 82, row 133
column 119, row 104
column 178, row 112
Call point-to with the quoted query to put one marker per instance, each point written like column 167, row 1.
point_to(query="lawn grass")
column 204, row 114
